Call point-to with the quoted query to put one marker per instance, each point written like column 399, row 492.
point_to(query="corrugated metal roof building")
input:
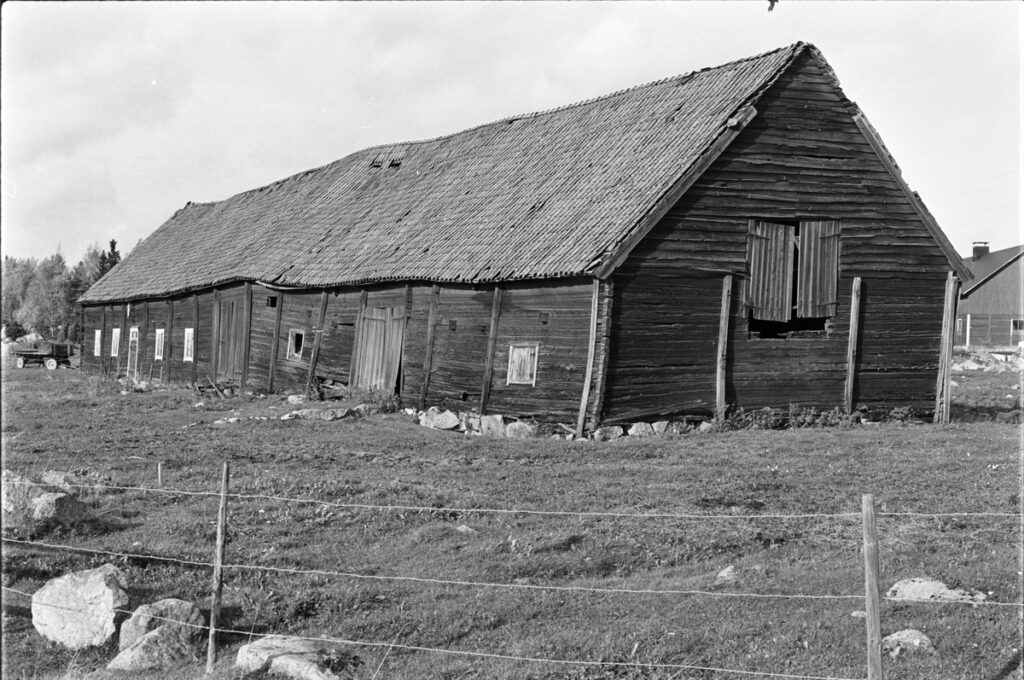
column 671, row 248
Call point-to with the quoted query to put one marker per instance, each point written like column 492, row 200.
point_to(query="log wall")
column 801, row 158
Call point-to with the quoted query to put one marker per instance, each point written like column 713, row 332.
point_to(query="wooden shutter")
column 819, row 269
column 769, row 289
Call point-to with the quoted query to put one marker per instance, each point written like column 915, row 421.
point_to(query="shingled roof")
column 986, row 267
column 544, row 195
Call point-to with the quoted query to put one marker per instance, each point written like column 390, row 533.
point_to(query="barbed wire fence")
column 870, row 597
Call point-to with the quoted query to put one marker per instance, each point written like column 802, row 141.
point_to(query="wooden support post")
column 246, row 334
column 216, row 341
column 492, row 337
column 945, row 352
column 143, row 336
column 218, row 566
column 591, row 343
column 195, row 337
column 851, row 346
column 275, row 342
column 600, row 380
column 428, row 359
column 723, row 347
column 165, row 365
column 318, row 333
column 159, row 475
column 874, row 626
column 353, row 366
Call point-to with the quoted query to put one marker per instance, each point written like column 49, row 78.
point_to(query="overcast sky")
column 114, row 115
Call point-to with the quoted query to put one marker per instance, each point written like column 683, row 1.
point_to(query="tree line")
column 41, row 296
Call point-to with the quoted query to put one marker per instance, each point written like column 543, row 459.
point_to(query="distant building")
column 991, row 311
column 669, row 249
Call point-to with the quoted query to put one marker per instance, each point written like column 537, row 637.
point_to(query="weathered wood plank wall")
column 801, row 158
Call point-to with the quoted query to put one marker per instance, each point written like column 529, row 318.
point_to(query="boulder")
column 59, row 508
column 725, row 576
column 437, row 419
column 705, row 427
column 80, row 610
column 18, row 492
column 641, row 430
column 167, row 613
column 74, row 483
column 296, row 399
column 493, row 426
column 906, row 641
column 294, row 657
column 662, row 427
column 930, row 589
column 165, row 647
column 520, row 429
column 608, row 433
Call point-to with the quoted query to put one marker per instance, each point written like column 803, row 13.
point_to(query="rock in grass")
column 170, row 613
column 906, row 641
column 437, row 419
column 162, row 648
column 641, row 430
column 58, row 508
column 492, row 426
column 80, row 609
column 520, row 429
column 298, row 658
column 608, row 433
column 661, row 427
column 930, row 589
column 725, row 576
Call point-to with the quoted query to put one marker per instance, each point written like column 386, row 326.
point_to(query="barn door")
column 379, row 348
column 228, row 367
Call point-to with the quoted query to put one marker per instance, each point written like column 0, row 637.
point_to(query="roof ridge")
column 795, row 48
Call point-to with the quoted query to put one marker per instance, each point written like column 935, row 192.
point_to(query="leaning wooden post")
column 945, row 353
column 874, row 626
column 851, row 346
column 723, row 347
column 218, row 563
column 492, row 337
column 595, row 297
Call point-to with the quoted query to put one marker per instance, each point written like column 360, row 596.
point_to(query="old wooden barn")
column 737, row 235
column 991, row 310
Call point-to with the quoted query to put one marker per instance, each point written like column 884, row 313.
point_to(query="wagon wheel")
column 20, row 362
column 51, row 364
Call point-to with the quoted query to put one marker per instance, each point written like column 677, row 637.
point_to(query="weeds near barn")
column 388, row 460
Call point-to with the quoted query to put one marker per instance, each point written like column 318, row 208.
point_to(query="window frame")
column 188, row 341
column 290, row 352
column 97, row 343
column 531, row 380
column 158, row 344
column 115, row 341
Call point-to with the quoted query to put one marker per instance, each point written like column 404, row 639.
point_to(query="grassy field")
column 65, row 421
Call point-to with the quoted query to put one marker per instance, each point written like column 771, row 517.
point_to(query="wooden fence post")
column 874, row 626
column 159, row 475
column 218, row 563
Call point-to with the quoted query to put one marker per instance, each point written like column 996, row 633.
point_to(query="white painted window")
column 158, row 345
column 522, row 363
column 295, row 343
column 115, row 341
column 97, row 343
column 186, row 352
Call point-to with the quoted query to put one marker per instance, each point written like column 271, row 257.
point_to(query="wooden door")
column 379, row 348
column 229, row 341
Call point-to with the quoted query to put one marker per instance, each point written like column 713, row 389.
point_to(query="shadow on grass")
column 1015, row 663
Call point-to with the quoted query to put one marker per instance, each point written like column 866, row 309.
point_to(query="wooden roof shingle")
column 544, row 195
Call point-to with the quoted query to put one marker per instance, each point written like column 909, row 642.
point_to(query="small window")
column 97, row 343
column 115, row 341
column 187, row 352
column 271, row 301
column 295, row 342
column 1017, row 325
column 158, row 345
column 522, row 363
